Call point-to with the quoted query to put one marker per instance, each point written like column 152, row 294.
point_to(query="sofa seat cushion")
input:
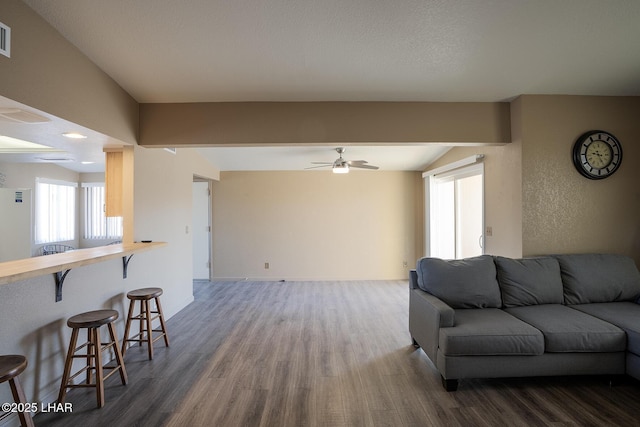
column 568, row 330
column 461, row 283
column 625, row 315
column 589, row 278
column 529, row 281
column 489, row 331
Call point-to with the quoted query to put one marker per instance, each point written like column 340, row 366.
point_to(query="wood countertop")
column 13, row 271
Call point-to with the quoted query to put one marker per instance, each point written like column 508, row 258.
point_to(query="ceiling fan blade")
column 321, row 166
column 365, row 166
column 341, row 164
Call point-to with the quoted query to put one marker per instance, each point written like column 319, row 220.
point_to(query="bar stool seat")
column 145, row 317
column 11, row 366
column 92, row 321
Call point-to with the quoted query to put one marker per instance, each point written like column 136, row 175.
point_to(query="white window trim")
column 56, row 182
column 455, row 165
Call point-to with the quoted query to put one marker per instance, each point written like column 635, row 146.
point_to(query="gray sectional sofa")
column 491, row 316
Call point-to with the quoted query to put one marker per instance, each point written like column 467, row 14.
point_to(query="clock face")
column 597, row 154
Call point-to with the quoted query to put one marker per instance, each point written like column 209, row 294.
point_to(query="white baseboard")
column 169, row 314
column 298, row 279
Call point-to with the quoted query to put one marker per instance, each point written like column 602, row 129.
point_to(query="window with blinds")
column 96, row 224
column 55, row 210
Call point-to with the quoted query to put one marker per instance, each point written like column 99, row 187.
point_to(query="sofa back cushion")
column 461, row 283
column 529, row 281
column 589, row 278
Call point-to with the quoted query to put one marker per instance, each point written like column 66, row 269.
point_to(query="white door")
column 456, row 213
column 201, row 231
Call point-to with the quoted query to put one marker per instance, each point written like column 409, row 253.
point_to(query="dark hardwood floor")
column 323, row 354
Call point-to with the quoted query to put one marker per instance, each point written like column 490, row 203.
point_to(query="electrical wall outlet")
column 266, row 265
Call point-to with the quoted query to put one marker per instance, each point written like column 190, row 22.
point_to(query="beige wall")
column 315, row 225
column 23, row 175
column 48, row 73
column 562, row 210
column 162, row 209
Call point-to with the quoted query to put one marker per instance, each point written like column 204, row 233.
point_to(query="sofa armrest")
column 427, row 314
column 413, row 279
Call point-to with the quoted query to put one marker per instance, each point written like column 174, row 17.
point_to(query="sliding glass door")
column 455, row 210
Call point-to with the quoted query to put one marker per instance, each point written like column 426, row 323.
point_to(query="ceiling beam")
column 323, row 123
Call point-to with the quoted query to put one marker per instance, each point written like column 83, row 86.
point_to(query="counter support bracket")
column 125, row 265
column 60, row 276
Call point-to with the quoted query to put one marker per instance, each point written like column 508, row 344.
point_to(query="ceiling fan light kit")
column 344, row 168
column 341, row 165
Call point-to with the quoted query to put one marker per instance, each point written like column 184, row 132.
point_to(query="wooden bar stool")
column 10, row 367
column 91, row 321
column 145, row 295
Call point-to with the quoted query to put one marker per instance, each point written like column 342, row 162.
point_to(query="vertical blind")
column 96, row 224
column 55, row 210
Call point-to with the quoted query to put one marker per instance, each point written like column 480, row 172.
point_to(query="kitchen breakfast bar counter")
column 60, row 264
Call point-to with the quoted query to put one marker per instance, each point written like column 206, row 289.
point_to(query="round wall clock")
column 597, row 154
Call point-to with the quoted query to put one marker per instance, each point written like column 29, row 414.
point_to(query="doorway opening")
column 201, row 229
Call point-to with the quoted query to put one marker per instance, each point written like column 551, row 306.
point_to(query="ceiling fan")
column 340, row 165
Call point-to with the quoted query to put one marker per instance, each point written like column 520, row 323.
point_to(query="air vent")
column 5, row 40
column 16, row 115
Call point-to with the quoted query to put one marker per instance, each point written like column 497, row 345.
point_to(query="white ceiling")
column 348, row 50
column 354, row 50
column 412, row 157
column 49, row 131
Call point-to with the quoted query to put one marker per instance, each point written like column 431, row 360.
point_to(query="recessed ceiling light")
column 87, row 163
column 74, row 135
column 55, row 159
column 15, row 145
